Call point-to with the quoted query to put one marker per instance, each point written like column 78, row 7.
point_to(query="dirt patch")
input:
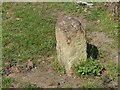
column 103, row 42
column 100, row 39
column 44, row 76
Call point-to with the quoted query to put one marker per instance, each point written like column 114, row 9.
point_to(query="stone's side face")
column 71, row 42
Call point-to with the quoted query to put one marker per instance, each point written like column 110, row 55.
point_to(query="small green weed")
column 60, row 69
column 89, row 67
column 57, row 67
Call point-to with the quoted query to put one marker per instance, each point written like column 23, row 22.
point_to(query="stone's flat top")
column 66, row 21
column 69, row 25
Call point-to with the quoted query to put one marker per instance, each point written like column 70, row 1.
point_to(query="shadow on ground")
column 92, row 51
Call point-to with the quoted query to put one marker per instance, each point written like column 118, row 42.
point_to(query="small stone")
column 30, row 64
column 98, row 21
column 43, row 61
column 58, row 84
column 74, row 76
column 63, row 81
column 35, row 67
column 17, row 19
column 11, row 75
column 14, row 69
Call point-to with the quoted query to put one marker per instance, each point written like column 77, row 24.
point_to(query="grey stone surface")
column 71, row 42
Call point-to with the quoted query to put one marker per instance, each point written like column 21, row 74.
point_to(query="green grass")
column 29, row 86
column 7, row 82
column 113, row 69
column 29, row 28
column 31, row 36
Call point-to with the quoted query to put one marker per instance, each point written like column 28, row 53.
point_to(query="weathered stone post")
column 71, row 42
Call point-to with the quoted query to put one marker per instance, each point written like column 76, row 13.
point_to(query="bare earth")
column 44, row 76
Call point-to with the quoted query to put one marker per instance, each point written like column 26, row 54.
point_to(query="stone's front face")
column 71, row 42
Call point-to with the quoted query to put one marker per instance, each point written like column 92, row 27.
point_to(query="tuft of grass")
column 89, row 67
column 113, row 68
column 7, row 82
column 58, row 67
column 89, row 85
column 95, row 14
column 29, row 86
